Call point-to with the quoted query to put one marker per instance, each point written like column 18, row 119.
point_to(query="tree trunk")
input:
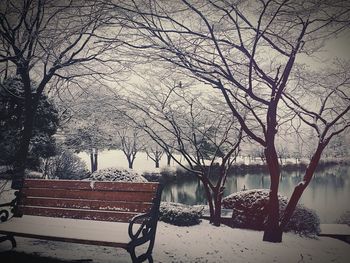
column 130, row 162
column 30, row 106
column 217, row 208
column 92, row 162
column 210, row 200
column 46, row 167
column 168, row 159
column 299, row 189
column 95, row 160
column 272, row 231
column 157, row 163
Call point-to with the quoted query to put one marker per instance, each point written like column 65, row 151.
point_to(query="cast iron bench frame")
column 135, row 203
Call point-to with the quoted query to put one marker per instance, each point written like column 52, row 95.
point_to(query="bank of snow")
column 201, row 243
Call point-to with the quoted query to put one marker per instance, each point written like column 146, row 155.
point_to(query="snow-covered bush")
column 250, row 211
column 344, row 218
column 179, row 214
column 115, row 174
column 64, row 165
column 304, row 221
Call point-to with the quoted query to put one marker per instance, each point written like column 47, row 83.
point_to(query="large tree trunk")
column 272, row 231
column 209, row 199
column 30, row 106
column 217, row 208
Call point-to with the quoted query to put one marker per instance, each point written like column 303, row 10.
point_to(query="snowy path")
column 202, row 243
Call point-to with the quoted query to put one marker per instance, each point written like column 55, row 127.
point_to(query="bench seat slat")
column 89, row 204
column 78, row 214
column 90, row 185
column 89, row 195
column 71, row 230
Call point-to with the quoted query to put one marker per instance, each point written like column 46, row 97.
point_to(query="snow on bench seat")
column 69, row 230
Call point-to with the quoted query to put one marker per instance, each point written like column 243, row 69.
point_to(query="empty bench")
column 115, row 214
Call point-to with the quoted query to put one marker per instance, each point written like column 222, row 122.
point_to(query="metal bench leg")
column 10, row 238
column 141, row 258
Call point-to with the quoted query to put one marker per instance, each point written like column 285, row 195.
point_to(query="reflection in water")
column 328, row 192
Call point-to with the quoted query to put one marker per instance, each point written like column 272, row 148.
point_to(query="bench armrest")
column 5, row 214
column 143, row 228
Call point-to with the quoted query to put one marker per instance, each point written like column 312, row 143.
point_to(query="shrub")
column 169, row 173
column 64, row 165
column 344, row 218
column 250, row 211
column 179, row 214
column 152, row 177
column 115, row 174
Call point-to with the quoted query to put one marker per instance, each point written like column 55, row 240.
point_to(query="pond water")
column 328, row 193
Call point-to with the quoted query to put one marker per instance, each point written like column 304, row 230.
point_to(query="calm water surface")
column 328, row 192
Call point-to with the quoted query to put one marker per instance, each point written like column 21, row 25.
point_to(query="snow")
column 116, row 174
column 69, row 228
column 201, row 243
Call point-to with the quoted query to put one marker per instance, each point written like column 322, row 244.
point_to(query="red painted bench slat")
column 89, row 195
column 78, row 214
column 121, row 206
column 89, row 185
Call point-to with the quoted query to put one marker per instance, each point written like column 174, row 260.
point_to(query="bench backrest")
column 102, row 201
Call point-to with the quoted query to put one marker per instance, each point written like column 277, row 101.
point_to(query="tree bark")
column 95, row 159
column 168, row 159
column 210, row 200
column 92, row 161
column 299, row 189
column 217, row 208
column 130, row 162
column 30, row 106
column 272, row 231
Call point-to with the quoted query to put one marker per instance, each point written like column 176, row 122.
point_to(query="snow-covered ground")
column 201, row 243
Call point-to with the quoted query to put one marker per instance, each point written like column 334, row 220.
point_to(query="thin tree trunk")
column 299, row 189
column 157, row 163
column 130, row 162
column 95, row 159
column 92, row 162
column 168, row 159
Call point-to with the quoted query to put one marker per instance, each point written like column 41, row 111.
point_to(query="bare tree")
column 155, row 153
column 41, row 40
column 328, row 116
column 206, row 139
column 246, row 50
column 130, row 143
column 87, row 125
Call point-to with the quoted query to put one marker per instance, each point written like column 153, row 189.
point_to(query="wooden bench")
column 112, row 214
